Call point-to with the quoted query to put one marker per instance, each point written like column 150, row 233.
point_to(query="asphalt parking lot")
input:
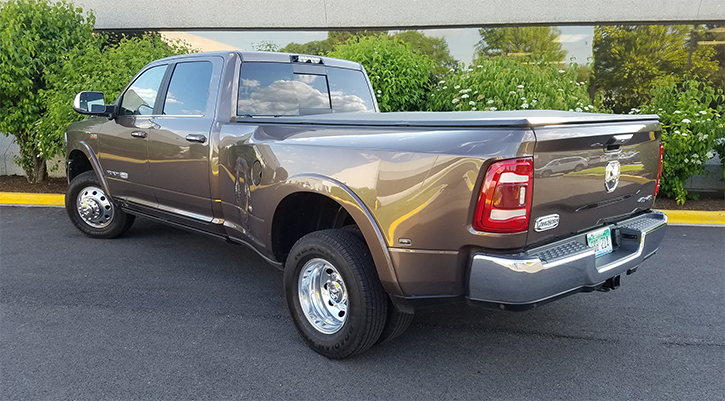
column 163, row 313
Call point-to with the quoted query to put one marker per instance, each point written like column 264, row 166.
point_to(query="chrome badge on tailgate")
column 544, row 223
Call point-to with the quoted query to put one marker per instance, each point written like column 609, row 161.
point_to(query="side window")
column 139, row 99
column 189, row 89
column 349, row 91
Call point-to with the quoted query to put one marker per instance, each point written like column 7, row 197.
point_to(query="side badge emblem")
column 611, row 176
column 544, row 223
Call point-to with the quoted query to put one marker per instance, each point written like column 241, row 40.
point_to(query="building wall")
column 347, row 14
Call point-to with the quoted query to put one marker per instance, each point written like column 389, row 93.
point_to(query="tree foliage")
column 505, row 84
column 317, row 48
column 265, row 46
column 691, row 130
column 334, row 39
column 434, row 48
column 630, row 60
column 400, row 77
column 99, row 67
column 713, row 36
column 527, row 43
column 36, row 37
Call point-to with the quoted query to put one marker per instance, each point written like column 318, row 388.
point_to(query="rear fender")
column 358, row 211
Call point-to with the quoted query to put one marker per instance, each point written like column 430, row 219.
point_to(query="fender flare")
column 357, row 209
column 88, row 152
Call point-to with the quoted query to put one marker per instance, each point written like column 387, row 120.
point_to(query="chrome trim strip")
column 422, row 251
column 191, row 215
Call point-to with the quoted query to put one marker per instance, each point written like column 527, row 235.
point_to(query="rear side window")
column 189, row 89
column 349, row 91
column 274, row 89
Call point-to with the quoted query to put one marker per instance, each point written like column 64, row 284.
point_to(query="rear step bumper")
column 540, row 275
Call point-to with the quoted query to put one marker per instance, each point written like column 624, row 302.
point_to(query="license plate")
column 601, row 241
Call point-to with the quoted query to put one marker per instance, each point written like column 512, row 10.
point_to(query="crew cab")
column 370, row 215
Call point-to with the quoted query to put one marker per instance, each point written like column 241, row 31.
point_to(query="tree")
column 629, row 60
column 317, row 47
column 100, row 67
column 435, row 48
column 265, row 46
column 714, row 36
column 337, row 38
column 400, row 77
column 334, row 39
column 532, row 43
column 36, row 37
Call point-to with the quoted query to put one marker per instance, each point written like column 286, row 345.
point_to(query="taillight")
column 504, row 204
column 659, row 170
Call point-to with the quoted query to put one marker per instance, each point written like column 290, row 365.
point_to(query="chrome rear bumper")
column 567, row 266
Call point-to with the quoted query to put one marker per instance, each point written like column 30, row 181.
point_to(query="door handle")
column 139, row 134
column 196, row 138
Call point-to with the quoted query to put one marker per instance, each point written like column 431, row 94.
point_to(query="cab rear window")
column 274, row 89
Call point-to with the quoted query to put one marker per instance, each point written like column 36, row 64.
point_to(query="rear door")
column 179, row 143
column 604, row 172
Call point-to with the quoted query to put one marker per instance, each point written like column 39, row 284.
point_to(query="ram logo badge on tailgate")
column 544, row 223
column 611, row 176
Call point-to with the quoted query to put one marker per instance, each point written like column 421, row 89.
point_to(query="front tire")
column 334, row 294
column 92, row 211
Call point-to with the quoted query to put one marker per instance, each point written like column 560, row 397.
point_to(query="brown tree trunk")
column 40, row 170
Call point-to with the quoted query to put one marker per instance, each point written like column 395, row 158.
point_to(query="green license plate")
column 601, row 241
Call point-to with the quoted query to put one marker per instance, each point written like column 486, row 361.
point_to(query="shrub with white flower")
column 690, row 132
column 506, row 84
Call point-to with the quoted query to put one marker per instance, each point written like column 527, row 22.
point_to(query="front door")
column 123, row 141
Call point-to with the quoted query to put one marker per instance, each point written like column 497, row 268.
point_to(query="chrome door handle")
column 196, row 138
column 139, row 134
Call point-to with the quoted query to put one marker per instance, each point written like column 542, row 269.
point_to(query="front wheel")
column 333, row 293
column 92, row 211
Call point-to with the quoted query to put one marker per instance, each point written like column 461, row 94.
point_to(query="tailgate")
column 575, row 169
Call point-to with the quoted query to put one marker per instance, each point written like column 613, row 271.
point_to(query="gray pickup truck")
column 370, row 215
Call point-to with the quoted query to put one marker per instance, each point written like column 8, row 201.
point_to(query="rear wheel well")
column 302, row 213
column 78, row 163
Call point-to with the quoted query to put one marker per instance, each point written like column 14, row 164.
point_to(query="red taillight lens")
column 659, row 171
column 504, row 204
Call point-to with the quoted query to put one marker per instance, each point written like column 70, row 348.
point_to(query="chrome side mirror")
column 91, row 103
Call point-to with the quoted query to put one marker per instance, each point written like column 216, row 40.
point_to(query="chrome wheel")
column 323, row 296
column 94, row 207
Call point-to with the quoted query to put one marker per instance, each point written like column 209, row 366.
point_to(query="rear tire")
column 334, row 294
column 397, row 321
column 92, row 211
column 396, row 324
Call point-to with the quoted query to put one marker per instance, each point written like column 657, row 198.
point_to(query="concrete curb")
column 676, row 217
column 30, row 199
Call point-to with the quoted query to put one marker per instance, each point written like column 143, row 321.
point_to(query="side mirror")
column 91, row 103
